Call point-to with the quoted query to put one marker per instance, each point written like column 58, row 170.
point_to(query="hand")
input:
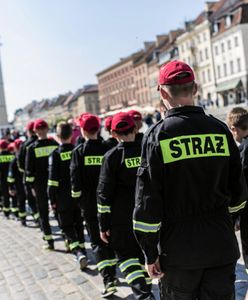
column 105, row 236
column 12, row 192
column 33, row 192
column 154, row 270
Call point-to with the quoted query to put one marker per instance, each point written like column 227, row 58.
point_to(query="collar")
column 184, row 109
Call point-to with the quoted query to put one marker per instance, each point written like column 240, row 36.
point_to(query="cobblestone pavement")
column 29, row 272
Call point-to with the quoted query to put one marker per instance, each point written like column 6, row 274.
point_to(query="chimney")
column 209, row 9
column 160, row 39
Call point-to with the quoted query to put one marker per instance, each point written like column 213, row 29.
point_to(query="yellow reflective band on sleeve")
column 30, row 179
column 133, row 162
column 10, row 180
column 194, row 146
column 129, row 263
column 146, row 227
column 134, row 275
column 106, row 263
column 76, row 194
column 53, row 183
column 148, row 281
column 65, row 155
column 93, row 160
column 44, row 151
column 103, row 209
column 6, row 158
column 234, row 209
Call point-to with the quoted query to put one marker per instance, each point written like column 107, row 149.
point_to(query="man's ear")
column 164, row 94
column 113, row 133
column 195, row 89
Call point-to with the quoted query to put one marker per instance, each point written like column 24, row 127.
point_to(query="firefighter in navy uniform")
column 59, row 191
column 15, row 181
column 36, row 170
column 21, row 157
column 190, row 178
column 85, row 168
column 5, row 158
column 111, row 141
column 116, row 200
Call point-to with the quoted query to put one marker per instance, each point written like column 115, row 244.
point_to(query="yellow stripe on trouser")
column 134, row 275
column 22, row 214
column 106, row 263
column 73, row 245
column 14, row 209
column 47, row 237
column 129, row 263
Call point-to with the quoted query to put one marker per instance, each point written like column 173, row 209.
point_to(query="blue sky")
column 53, row 46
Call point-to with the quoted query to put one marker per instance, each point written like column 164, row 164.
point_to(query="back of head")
column 238, row 118
column 64, row 130
column 122, row 123
column 90, row 123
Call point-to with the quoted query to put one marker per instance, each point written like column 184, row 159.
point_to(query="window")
column 216, row 50
column 222, row 47
column 228, row 21
column 236, row 41
column 218, row 72
column 229, row 44
column 225, row 69
column 231, row 67
column 206, row 53
column 199, row 38
column 203, row 77
column 239, row 64
column 209, row 75
column 204, row 36
column 182, row 48
column 216, row 27
column 200, row 56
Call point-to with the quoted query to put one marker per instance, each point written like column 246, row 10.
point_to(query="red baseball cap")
column 18, row 143
column 11, row 147
column 40, row 124
column 122, row 121
column 107, row 123
column 3, row 144
column 136, row 115
column 89, row 122
column 175, row 72
column 30, row 126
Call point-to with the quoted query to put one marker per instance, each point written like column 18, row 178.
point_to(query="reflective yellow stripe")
column 106, row 263
column 44, row 151
column 82, row 245
column 36, row 216
column 93, row 160
column 14, row 209
column 30, row 179
column 6, row 158
column 134, row 275
column 22, row 214
column 20, row 170
column 102, row 209
column 148, row 280
column 129, row 263
column 73, row 245
column 47, row 237
column 133, row 162
column 237, row 208
column 11, row 180
column 76, row 194
column 53, row 183
column 194, row 146
column 6, row 209
column 65, row 155
column 146, row 227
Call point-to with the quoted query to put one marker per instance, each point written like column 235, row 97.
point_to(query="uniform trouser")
column 31, row 200
column 14, row 205
column 131, row 263
column 42, row 201
column 6, row 198
column 244, row 235
column 71, row 223
column 21, row 199
column 105, row 257
column 201, row 284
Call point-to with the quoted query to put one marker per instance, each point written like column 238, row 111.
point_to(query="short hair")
column 64, row 130
column 238, row 117
column 181, row 90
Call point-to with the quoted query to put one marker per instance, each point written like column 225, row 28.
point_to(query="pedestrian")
column 116, row 200
column 36, row 170
column 16, row 188
column 237, row 121
column 85, row 168
column 190, row 178
column 59, row 192
column 21, row 157
column 137, row 117
column 111, row 141
column 5, row 158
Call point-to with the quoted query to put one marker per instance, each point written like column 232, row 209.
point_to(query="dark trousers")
column 105, row 257
column 31, row 200
column 71, row 223
column 6, row 198
column 21, row 199
column 244, row 234
column 203, row 284
column 131, row 263
column 42, row 201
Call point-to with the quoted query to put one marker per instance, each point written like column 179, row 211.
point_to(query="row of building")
column 215, row 44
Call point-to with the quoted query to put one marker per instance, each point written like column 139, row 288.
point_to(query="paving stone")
column 39, row 296
column 40, row 273
column 69, row 288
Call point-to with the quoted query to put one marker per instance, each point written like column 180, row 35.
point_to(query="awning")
column 229, row 85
